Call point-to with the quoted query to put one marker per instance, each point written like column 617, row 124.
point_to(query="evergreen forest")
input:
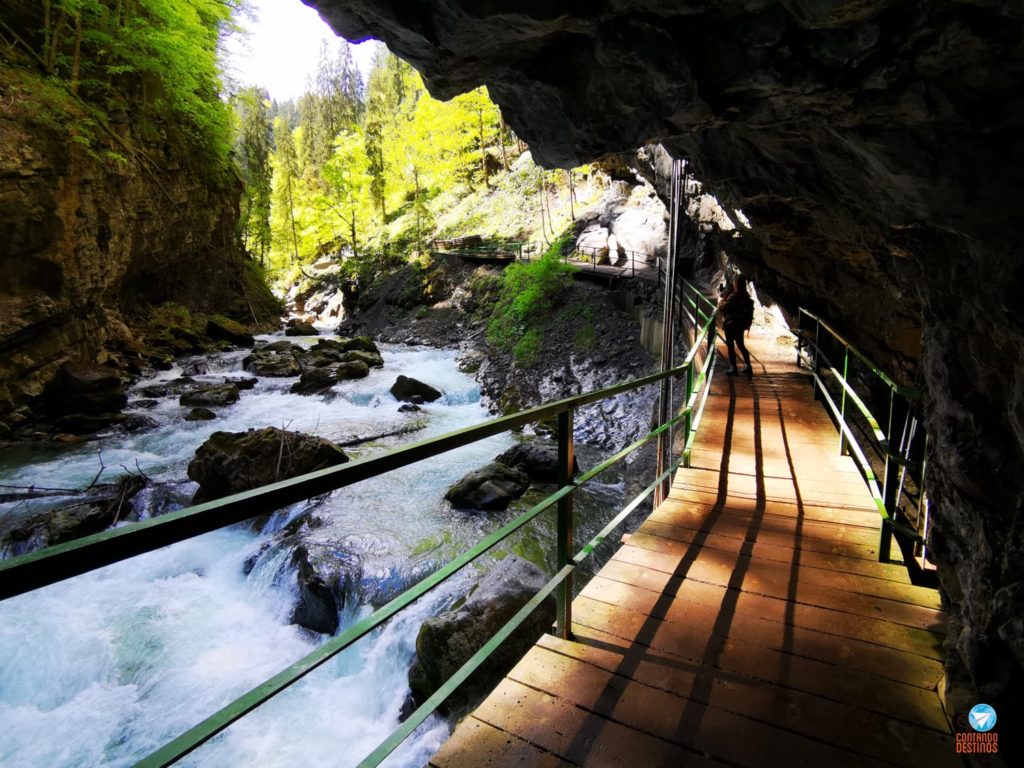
column 368, row 173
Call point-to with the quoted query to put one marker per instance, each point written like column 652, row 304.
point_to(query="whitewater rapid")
column 104, row 668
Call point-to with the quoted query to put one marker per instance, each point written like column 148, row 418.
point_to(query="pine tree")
column 252, row 109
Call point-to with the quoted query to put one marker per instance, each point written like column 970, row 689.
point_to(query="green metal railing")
column 896, row 476
column 478, row 248
column 53, row 564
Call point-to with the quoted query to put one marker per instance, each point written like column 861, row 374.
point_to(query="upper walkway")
column 747, row 622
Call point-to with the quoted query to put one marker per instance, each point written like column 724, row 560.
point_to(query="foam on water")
column 104, row 668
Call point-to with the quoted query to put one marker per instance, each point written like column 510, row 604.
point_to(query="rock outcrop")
column 447, row 641
column 868, row 155
column 85, row 388
column 88, row 232
column 232, row 462
column 225, row 329
column 494, row 486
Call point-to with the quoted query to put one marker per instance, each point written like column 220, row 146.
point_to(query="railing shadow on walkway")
column 705, row 670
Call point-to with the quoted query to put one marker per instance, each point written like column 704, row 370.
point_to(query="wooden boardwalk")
column 747, row 622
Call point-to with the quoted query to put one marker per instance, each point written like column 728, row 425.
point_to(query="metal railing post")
column 889, row 488
column 799, row 337
column 688, row 416
column 564, row 533
column 664, row 458
column 842, row 403
column 815, row 366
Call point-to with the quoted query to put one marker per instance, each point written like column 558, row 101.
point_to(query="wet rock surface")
column 213, row 396
column 300, row 328
column 272, row 363
column 447, row 641
column 492, row 487
column 414, row 391
column 200, row 414
column 317, row 608
column 539, row 461
column 231, row 462
column 82, row 388
column 91, row 510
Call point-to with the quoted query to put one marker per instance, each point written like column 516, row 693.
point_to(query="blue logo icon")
column 982, row 718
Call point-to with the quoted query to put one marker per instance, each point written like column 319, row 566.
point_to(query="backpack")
column 741, row 311
column 744, row 311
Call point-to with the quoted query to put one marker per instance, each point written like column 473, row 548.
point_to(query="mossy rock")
column 371, row 359
column 211, row 396
column 447, row 641
column 221, row 328
column 232, row 462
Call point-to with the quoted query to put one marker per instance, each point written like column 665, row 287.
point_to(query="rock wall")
column 874, row 146
column 83, row 235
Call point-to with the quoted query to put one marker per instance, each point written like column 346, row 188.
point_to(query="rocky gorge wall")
column 84, row 235
column 874, row 147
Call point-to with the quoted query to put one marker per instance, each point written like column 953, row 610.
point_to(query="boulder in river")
column 492, row 487
column 266, row 362
column 300, row 328
column 317, row 608
column 353, row 369
column 211, row 396
column 281, row 345
column 316, row 380
column 87, row 424
column 447, row 641
column 89, row 511
column 84, row 388
column 538, row 460
column 173, row 387
column 137, row 422
column 407, row 389
column 221, row 328
column 335, row 346
column 242, row 382
column 231, row 462
column 200, row 414
column 319, row 359
column 372, row 359
column 360, row 344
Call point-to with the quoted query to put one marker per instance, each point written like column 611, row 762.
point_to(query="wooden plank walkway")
column 747, row 622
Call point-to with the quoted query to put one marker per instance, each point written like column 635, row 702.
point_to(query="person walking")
column 737, row 310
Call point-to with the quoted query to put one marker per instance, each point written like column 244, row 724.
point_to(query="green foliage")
column 152, row 63
column 529, row 293
column 169, row 315
column 527, row 350
column 586, row 336
column 252, row 150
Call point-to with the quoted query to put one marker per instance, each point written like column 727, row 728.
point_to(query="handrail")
column 47, row 566
column 908, row 392
column 890, row 496
column 27, row 572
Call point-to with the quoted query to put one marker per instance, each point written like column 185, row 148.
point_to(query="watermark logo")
column 975, row 736
column 982, row 718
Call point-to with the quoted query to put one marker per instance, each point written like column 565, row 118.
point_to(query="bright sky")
column 282, row 48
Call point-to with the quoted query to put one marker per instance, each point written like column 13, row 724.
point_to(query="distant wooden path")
column 746, row 623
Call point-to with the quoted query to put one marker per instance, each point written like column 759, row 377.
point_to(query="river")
column 103, row 668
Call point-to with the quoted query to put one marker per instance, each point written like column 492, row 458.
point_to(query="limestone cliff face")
column 874, row 146
column 83, row 235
